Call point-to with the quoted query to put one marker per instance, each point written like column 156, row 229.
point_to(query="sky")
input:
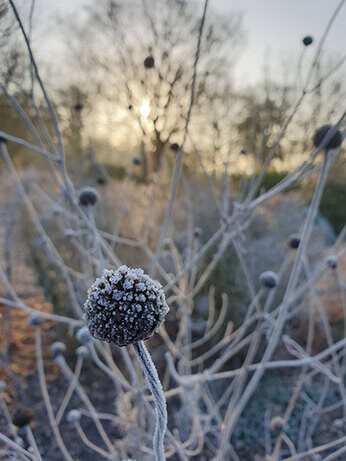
column 273, row 29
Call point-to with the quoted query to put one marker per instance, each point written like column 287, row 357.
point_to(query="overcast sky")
column 273, row 28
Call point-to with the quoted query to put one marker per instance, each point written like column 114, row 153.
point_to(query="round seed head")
column 88, row 196
column 73, row 416
column 124, row 306
column 197, row 232
column 83, row 335
column 307, row 40
column 58, row 348
column 294, row 241
column 82, row 351
column 332, row 262
column 22, row 416
column 36, row 319
column 334, row 142
column 174, row 147
column 242, row 151
column 78, row 107
column 149, row 62
column 136, row 161
column 268, row 279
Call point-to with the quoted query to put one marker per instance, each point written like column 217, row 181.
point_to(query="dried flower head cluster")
column 124, row 306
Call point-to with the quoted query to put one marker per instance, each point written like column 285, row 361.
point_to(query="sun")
column 145, row 108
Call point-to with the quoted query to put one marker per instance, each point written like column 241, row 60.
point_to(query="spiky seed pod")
column 307, row 40
column 58, row 348
column 73, row 416
column 82, row 351
column 83, row 335
column 149, row 62
column 36, row 319
column 334, row 142
column 332, row 262
column 294, row 241
column 22, row 416
column 124, row 306
column 268, row 279
column 136, row 161
column 88, row 196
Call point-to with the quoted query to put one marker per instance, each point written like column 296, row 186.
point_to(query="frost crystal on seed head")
column 124, row 306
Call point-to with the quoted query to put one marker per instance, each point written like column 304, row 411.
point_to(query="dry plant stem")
column 45, row 394
column 16, row 447
column 88, row 443
column 32, row 442
column 179, row 161
column 155, row 387
column 318, row 449
column 70, row 390
column 274, row 340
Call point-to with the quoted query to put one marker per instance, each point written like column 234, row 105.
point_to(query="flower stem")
column 155, row 387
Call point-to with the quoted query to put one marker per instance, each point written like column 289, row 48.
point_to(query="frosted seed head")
column 88, row 196
column 294, row 241
column 82, row 351
column 332, row 262
column 149, row 62
column 307, row 40
column 73, row 416
column 83, row 335
column 124, row 306
column 58, row 348
column 268, row 279
column 320, row 134
column 36, row 319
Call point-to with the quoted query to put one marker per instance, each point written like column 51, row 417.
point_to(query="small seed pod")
column 334, row 142
column 58, row 348
column 149, row 62
column 307, row 40
column 174, row 147
column 268, row 279
column 22, row 416
column 130, row 107
column 294, row 241
column 88, row 196
column 73, row 416
column 197, row 232
column 136, row 161
column 83, row 335
column 82, row 351
column 78, row 107
column 124, row 306
column 332, row 262
column 242, row 151
column 36, row 319
column 276, row 423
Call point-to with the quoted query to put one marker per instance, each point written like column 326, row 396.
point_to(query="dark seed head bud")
column 149, row 62
column 332, row 262
column 22, row 416
column 242, row 151
column 58, row 348
column 125, row 306
column 294, row 241
column 136, row 161
column 73, row 416
column 174, row 147
column 78, row 107
column 268, row 279
column 307, row 40
column 334, row 141
column 88, row 196
column 197, row 232
column 130, row 107
column 36, row 319
column 83, row 335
